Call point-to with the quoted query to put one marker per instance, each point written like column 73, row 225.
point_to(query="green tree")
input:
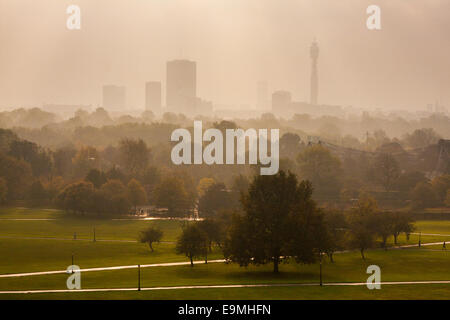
column 30, row 152
column 17, row 174
column 336, row 225
column 37, row 195
column 402, row 223
column 215, row 198
column 422, row 138
column 440, row 186
column 150, row 235
column 447, row 199
column 361, row 222
column 117, row 195
column 193, row 243
column 213, row 230
column 280, row 220
column 387, row 170
column 134, row 155
column 423, row 196
column 384, row 226
column 136, row 193
column 97, row 178
column 239, row 187
column 170, row 193
column 77, row 197
column 203, row 185
column 3, row 190
column 113, row 187
column 86, row 158
column 290, row 144
column 318, row 165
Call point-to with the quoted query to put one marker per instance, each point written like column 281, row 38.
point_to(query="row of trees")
column 25, row 165
column 281, row 222
column 113, row 197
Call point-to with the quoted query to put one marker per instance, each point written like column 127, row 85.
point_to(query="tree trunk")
column 275, row 264
column 151, row 247
column 192, row 262
column 330, row 255
column 395, row 238
column 362, row 254
column 206, row 257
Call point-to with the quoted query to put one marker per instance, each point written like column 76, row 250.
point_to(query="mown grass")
column 29, row 255
column 396, row 265
column 398, row 292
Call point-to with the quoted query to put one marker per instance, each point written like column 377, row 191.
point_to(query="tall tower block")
column 314, row 52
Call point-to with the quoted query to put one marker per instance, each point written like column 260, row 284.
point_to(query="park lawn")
column 106, row 229
column 30, row 213
column 396, row 265
column 391, row 292
column 19, row 256
column 434, row 226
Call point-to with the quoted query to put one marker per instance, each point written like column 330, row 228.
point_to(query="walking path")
column 168, row 264
column 70, row 239
column 432, row 234
column 227, row 286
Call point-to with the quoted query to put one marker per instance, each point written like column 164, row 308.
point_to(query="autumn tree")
column 440, row 186
column 215, row 198
column 134, row 155
column 387, row 170
column 280, row 220
column 150, row 235
column 136, row 193
column 37, row 195
column 318, row 165
column 193, row 242
column 203, row 185
column 335, row 227
column 361, row 223
column 86, row 158
column 17, row 174
column 77, row 197
column 423, row 196
column 3, row 190
column 170, row 193
column 447, row 199
column 97, row 178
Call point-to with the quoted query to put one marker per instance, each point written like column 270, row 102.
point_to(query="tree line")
column 280, row 222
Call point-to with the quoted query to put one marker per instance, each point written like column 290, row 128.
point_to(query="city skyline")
column 47, row 64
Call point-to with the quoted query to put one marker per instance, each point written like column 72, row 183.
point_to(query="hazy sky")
column 235, row 43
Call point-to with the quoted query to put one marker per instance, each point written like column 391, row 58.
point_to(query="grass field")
column 19, row 254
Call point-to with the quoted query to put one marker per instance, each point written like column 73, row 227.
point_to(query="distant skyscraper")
column 114, row 97
column 262, row 95
column 281, row 100
column 153, row 96
column 181, row 87
column 314, row 75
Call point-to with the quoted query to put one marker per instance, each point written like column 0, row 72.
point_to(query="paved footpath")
column 226, row 286
column 169, row 264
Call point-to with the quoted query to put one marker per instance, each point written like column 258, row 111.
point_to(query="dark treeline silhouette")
column 126, row 163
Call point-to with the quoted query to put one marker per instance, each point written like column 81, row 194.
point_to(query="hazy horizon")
column 235, row 44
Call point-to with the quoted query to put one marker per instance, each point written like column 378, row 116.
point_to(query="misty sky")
column 235, row 43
